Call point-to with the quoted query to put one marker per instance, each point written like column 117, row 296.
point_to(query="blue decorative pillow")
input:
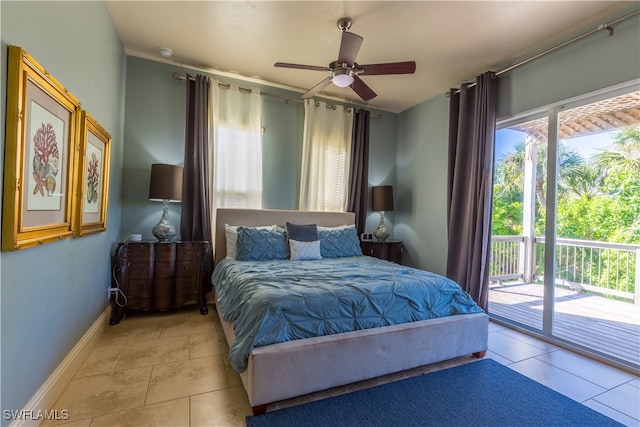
column 302, row 233
column 339, row 242
column 231, row 236
column 261, row 245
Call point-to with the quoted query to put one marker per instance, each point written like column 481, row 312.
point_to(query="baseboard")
column 51, row 389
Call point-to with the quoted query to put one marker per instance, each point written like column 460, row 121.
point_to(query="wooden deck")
column 605, row 325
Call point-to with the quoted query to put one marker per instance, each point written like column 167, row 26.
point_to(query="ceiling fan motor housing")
column 344, row 24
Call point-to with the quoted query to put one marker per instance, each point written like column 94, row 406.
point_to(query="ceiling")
column 602, row 116
column 450, row 41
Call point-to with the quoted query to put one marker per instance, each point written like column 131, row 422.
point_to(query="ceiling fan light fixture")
column 342, row 78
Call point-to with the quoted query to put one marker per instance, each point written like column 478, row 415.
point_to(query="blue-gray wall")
column 51, row 294
column 154, row 132
column 595, row 62
column 591, row 64
column 421, row 186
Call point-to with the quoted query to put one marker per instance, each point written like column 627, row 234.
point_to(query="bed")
column 294, row 367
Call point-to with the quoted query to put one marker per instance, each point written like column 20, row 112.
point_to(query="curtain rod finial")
column 607, row 27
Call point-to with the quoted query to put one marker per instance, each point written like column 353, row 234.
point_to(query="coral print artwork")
column 94, row 169
column 41, row 156
column 45, row 156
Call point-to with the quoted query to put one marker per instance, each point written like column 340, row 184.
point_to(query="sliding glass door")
column 566, row 224
column 519, row 203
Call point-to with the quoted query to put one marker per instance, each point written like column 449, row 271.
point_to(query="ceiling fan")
column 345, row 71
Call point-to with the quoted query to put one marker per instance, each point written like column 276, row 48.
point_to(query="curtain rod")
column 609, row 26
column 178, row 76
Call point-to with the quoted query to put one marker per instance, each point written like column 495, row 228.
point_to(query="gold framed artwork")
column 93, row 166
column 40, row 150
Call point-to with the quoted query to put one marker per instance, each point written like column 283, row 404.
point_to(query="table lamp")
column 382, row 201
column 165, row 186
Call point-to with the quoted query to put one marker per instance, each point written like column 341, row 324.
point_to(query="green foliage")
column 587, row 218
column 598, row 200
column 510, row 218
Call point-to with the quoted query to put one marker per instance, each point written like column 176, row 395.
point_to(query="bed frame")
column 294, row 368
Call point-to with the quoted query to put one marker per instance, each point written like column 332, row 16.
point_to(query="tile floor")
column 171, row 369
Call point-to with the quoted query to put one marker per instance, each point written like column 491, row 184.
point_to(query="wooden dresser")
column 158, row 276
column 391, row 250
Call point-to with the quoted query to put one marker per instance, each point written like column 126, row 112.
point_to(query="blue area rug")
column 483, row 393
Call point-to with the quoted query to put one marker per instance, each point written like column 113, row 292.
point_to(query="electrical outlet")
column 111, row 291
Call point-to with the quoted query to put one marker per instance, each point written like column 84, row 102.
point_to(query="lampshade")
column 342, row 78
column 382, row 198
column 166, row 183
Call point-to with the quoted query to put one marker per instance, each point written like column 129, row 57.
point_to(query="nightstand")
column 155, row 276
column 391, row 250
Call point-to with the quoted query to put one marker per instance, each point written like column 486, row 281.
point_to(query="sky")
column 586, row 146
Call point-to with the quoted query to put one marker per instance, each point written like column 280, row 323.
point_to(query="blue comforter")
column 276, row 301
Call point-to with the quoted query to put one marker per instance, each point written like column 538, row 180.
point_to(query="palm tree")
column 584, row 180
column 621, row 165
column 625, row 155
column 509, row 174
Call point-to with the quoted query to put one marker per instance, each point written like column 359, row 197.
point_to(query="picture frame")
column 40, row 155
column 93, row 176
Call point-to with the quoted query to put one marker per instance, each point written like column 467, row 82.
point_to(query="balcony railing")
column 609, row 269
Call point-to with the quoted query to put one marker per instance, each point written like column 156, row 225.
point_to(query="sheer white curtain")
column 326, row 152
column 236, row 121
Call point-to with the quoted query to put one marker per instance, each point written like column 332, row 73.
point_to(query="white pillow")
column 231, row 235
column 337, row 227
column 304, row 250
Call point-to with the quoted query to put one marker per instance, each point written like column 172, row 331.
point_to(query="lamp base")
column 381, row 234
column 164, row 231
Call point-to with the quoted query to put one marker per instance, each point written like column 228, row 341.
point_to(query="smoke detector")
column 165, row 52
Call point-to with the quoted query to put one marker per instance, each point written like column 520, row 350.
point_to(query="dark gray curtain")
column 472, row 122
column 359, row 171
column 195, row 220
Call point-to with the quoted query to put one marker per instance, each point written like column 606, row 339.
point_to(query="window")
column 238, row 168
column 326, row 155
column 237, row 147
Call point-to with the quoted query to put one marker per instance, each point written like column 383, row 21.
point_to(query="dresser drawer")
column 164, row 302
column 163, row 270
column 139, row 289
column 139, row 270
column 186, row 269
column 138, row 252
column 165, row 252
column 164, row 287
column 391, row 250
column 186, row 285
column 188, row 252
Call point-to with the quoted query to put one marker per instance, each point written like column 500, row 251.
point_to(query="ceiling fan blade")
column 361, row 88
column 301, row 67
column 407, row 67
column 349, row 48
column 317, row 88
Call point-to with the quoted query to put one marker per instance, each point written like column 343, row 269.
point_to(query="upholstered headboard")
column 255, row 217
